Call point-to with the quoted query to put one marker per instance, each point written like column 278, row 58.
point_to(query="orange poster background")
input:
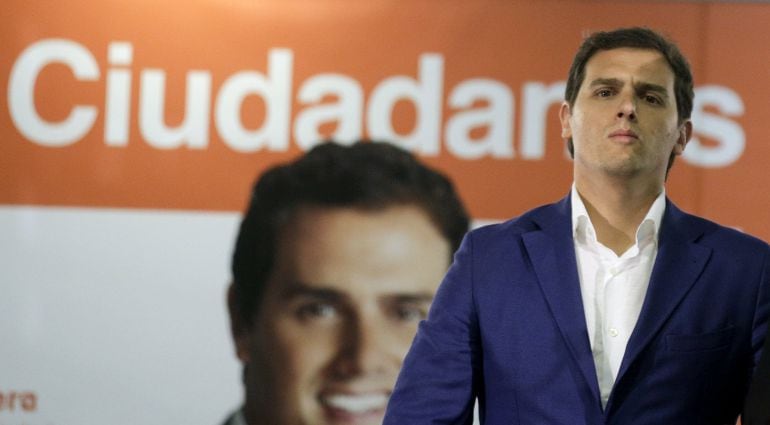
column 512, row 42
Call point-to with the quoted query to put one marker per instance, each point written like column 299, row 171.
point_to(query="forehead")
column 630, row 64
column 357, row 252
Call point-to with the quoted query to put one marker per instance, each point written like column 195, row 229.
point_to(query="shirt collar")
column 648, row 228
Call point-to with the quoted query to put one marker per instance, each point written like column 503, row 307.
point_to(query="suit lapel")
column 677, row 266
column 552, row 254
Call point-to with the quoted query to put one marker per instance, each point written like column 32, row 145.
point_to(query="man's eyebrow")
column 300, row 289
column 641, row 87
column 614, row 82
column 650, row 87
column 419, row 297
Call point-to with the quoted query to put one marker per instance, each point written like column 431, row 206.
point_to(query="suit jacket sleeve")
column 757, row 410
column 762, row 312
column 438, row 380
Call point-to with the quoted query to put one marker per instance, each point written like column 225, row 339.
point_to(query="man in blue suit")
column 611, row 306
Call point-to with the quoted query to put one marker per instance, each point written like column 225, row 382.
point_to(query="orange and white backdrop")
column 131, row 131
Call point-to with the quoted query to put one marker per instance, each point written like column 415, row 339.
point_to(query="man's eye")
column 604, row 92
column 410, row 313
column 652, row 99
column 316, row 310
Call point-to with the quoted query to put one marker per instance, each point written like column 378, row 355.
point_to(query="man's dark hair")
column 365, row 175
column 641, row 38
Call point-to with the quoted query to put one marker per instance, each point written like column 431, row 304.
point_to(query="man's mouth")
column 624, row 135
column 356, row 404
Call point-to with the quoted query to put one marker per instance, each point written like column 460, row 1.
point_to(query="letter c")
column 21, row 92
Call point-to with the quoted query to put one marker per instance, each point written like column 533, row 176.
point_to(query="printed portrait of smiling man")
column 337, row 260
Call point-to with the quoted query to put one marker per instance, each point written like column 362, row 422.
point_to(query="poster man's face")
column 339, row 313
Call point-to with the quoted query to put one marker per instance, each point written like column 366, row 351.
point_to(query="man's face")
column 624, row 120
column 339, row 313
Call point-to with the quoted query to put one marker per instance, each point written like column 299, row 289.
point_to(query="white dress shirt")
column 613, row 287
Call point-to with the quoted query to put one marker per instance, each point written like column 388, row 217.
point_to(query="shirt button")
column 613, row 271
column 613, row 332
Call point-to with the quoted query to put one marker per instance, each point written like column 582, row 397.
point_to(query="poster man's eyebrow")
column 419, row 297
column 300, row 289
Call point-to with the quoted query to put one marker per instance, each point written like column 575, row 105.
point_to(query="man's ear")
column 239, row 328
column 685, row 133
column 565, row 113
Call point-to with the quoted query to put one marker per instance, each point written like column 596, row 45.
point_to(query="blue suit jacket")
column 507, row 327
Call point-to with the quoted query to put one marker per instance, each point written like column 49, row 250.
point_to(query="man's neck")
column 616, row 208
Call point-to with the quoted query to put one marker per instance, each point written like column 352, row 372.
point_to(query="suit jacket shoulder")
column 551, row 218
column 709, row 233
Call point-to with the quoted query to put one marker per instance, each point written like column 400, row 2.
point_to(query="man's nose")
column 627, row 107
column 363, row 349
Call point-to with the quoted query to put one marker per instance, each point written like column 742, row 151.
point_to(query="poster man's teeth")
column 357, row 403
